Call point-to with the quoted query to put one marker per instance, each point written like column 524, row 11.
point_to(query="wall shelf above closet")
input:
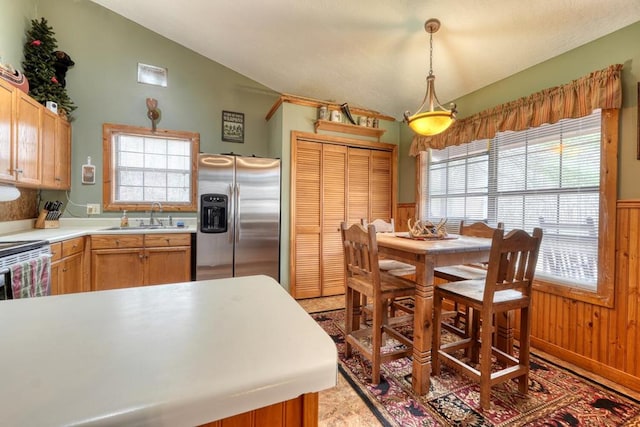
column 348, row 128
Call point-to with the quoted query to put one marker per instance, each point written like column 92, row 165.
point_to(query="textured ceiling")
column 375, row 53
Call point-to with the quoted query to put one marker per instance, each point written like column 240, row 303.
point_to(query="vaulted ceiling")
column 375, row 53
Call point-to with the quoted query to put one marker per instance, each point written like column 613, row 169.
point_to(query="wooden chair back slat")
column 512, row 262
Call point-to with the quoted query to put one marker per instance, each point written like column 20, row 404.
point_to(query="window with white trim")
column 546, row 177
column 148, row 169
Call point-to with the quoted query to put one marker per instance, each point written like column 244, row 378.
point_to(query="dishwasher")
column 16, row 252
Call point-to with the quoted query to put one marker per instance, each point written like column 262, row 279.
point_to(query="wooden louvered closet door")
column 305, row 250
column 332, row 183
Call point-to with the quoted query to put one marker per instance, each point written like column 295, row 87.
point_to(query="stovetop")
column 11, row 248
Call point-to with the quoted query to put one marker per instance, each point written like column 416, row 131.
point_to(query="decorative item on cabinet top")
column 332, row 126
column 14, row 77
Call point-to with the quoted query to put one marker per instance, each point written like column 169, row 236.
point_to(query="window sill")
column 603, row 299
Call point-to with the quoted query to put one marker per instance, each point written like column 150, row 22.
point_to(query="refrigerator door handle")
column 237, row 215
column 231, row 208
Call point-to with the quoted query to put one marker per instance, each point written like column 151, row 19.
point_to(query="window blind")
column 546, row 177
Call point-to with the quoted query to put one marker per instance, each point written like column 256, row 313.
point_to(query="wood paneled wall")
column 404, row 212
column 602, row 340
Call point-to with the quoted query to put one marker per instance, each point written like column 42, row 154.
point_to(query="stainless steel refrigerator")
column 238, row 217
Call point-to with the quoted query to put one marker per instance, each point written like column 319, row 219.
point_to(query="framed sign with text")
column 232, row 126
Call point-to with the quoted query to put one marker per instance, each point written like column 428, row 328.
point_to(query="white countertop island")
column 168, row 355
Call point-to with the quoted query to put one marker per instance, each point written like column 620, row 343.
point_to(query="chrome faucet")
column 151, row 217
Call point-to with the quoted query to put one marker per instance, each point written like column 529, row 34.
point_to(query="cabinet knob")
column 117, row 242
column 64, row 270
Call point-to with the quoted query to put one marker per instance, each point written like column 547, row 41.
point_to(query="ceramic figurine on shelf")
column 345, row 109
column 323, row 113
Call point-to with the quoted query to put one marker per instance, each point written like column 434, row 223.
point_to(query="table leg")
column 422, row 329
column 504, row 332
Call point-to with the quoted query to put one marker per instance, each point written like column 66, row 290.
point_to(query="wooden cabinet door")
column 62, row 166
column 48, row 142
column 167, row 265
column 6, row 131
column 305, row 220
column 55, row 287
column 358, row 185
column 27, row 152
column 381, row 202
column 334, row 164
column 116, row 268
column 71, row 274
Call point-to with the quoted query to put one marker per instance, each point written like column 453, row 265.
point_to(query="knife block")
column 42, row 222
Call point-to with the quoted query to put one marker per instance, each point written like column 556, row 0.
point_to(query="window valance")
column 599, row 89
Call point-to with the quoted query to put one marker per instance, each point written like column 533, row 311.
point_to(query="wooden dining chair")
column 456, row 273
column 363, row 278
column 506, row 287
column 390, row 266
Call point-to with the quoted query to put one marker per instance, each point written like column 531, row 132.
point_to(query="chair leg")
column 525, row 330
column 376, row 340
column 351, row 318
column 437, row 333
column 363, row 304
column 485, row 362
column 474, row 334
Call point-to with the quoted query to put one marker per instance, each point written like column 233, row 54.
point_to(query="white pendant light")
column 437, row 118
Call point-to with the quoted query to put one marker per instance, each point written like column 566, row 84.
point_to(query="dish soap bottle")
column 124, row 221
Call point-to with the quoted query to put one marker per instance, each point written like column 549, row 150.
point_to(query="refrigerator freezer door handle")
column 231, row 208
column 237, row 216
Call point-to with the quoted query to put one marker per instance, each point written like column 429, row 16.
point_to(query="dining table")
column 426, row 254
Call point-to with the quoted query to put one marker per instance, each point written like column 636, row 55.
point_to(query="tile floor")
column 341, row 406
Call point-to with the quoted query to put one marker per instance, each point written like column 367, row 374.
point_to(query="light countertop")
column 165, row 355
column 13, row 231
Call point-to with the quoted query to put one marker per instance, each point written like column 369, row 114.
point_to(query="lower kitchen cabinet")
column 128, row 260
column 67, row 266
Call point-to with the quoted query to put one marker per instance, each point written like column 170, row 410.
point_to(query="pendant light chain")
column 436, row 118
column 431, row 54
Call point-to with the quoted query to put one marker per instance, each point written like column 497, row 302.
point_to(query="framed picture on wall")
column 152, row 75
column 232, row 126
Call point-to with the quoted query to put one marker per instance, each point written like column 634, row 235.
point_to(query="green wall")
column 15, row 16
column 103, row 84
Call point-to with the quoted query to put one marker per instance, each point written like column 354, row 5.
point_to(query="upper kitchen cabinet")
column 7, row 109
column 27, row 143
column 35, row 144
column 56, row 151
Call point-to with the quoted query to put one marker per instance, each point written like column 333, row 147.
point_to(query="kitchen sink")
column 149, row 227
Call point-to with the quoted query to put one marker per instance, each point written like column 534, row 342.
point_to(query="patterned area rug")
column 556, row 396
